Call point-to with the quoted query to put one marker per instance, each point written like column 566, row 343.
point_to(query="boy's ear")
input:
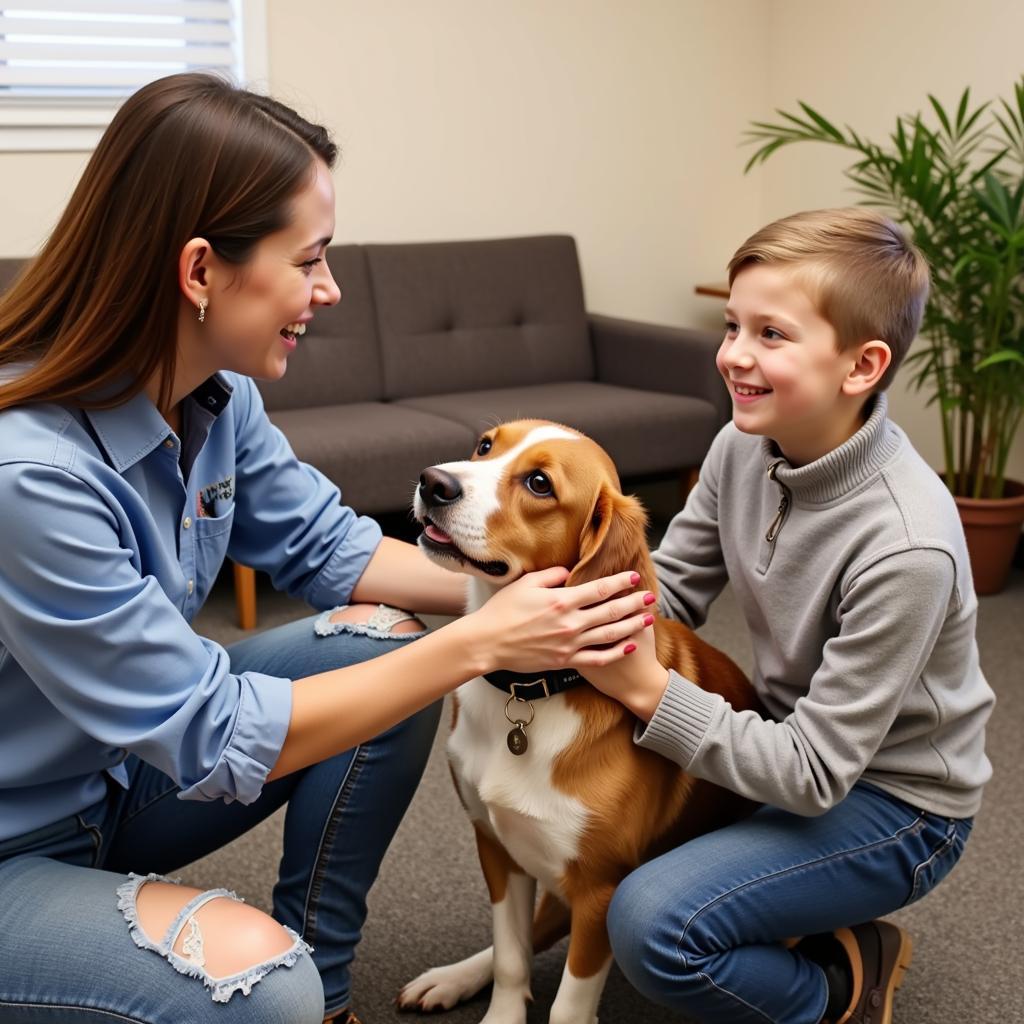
column 613, row 540
column 873, row 359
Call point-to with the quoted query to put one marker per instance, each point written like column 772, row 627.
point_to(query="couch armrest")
column 654, row 357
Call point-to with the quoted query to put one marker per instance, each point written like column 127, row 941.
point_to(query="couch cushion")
column 644, row 432
column 460, row 316
column 374, row 452
column 337, row 359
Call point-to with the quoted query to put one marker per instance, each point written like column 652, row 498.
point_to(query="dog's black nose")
column 438, row 487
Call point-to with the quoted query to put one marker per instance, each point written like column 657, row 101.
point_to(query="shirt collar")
column 844, row 468
column 130, row 431
column 213, row 394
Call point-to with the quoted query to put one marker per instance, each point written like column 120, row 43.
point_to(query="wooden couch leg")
column 687, row 482
column 245, row 595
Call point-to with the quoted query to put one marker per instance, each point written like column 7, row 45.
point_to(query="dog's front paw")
column 441, row 988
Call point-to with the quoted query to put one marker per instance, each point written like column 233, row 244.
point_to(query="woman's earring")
column 203, row 303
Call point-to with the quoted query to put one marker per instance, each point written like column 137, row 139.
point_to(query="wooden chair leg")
column 245, row 595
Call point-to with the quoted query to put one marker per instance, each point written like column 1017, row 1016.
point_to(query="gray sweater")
column 853, row 577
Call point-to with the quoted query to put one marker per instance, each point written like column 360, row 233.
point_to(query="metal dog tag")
column 516, row 739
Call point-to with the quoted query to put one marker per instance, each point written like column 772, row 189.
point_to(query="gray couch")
column 434, row 342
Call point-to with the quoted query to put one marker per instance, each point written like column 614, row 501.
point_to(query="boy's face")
column 785, row 374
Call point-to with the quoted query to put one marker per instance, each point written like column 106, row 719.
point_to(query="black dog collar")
column 530, row 686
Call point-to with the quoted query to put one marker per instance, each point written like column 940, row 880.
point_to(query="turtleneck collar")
column 844, row 468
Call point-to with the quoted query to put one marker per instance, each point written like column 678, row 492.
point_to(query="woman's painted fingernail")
column 634, row 578
column 648, row 620
column 649, row 599
column 629, row 649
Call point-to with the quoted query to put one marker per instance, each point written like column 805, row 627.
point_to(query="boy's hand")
column 637, row 680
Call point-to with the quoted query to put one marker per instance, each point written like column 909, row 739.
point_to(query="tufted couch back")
column 467, row 316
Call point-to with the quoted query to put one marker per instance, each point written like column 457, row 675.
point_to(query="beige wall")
column 472, row 118
column 618, row 123
column 34, row 188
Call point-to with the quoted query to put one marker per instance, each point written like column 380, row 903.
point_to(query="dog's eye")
column 485, row 445
column 540, row 484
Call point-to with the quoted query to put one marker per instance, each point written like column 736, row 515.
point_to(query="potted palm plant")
column 955, row 180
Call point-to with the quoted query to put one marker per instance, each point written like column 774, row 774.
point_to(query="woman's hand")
column 536, row 624
column 637, row 681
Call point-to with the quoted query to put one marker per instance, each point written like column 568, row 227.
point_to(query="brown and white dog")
column 578, row 805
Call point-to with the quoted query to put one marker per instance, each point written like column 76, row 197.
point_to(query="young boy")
column 847, row 558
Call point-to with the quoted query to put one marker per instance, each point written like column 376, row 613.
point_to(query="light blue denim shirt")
column 110, row 539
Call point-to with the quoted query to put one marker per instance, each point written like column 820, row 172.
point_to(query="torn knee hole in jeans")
column 192, row 959
column 382, row 623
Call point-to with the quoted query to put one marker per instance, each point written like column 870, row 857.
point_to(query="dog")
column 557, row 791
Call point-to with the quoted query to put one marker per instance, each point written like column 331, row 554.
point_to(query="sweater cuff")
column 680, row 721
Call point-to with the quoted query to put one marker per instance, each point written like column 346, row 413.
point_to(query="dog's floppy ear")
column 614, row 540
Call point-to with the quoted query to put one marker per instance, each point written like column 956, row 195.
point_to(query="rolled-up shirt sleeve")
column 106, row 647
column 289, row 519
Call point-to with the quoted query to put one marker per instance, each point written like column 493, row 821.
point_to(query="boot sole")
column 900, row 965
column 904, row 955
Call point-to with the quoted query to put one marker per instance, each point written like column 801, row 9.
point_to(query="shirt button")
column 169, row 443
column 191, row 585
column 188, row 522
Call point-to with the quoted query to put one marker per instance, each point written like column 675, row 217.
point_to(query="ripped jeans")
column 66, row 952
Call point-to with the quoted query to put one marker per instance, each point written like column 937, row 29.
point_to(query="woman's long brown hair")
column 94, row 314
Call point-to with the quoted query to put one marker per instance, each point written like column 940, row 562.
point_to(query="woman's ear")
column 194, row 270
column 614, row 539
column 873, row 359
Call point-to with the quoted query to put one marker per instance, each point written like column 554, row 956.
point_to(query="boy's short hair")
column 859, row 268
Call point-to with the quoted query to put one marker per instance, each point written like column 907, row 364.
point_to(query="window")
column 65, row 65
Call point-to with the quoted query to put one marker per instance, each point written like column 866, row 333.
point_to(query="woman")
column 134, row 455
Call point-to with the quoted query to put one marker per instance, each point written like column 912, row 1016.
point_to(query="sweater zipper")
column 776, row 524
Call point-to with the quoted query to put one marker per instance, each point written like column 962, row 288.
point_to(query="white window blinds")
column 66, row 65
column 65, row 50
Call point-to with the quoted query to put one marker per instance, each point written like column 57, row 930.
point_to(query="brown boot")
column 879, row 954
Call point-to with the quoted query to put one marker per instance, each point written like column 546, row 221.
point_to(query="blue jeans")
column 700, row 928
column 65, row 949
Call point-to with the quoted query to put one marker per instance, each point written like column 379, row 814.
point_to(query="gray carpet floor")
column 430, row 906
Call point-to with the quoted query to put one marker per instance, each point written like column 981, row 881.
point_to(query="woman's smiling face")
column 280, row 287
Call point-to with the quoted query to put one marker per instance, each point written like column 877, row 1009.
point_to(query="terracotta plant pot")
column 992, row 527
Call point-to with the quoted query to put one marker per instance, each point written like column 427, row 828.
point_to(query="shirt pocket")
column 212, row 534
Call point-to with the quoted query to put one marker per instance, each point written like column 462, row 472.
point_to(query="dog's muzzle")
column 437, row 492
column 438, row 488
